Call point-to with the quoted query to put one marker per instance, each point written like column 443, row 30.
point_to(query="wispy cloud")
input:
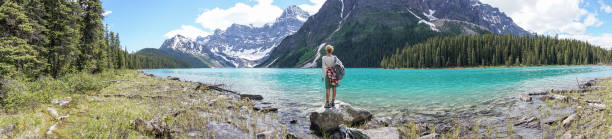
column 314, row 7
column 604, row 7
column 548, row 16
column 107, row 13
column 566, row 18
column 257, row 15
column 604, row 40
column 187, row 31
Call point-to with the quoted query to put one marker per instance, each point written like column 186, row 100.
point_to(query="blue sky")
column 147, row 23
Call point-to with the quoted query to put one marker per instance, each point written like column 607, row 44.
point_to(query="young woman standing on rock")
column 329, row 75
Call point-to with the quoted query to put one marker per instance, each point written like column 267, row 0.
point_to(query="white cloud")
column 548, row 16
column 604, row 40
column 314, row 7
column 604, row 7
column 564, row 17
column 107, row 13
column 258, row 15
column 187, row 31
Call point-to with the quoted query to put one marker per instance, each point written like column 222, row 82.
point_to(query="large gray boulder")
column 327, row 120
column 353, row 115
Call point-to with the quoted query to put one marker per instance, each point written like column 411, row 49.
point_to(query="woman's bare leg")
column 334, row 96
column 327, row 94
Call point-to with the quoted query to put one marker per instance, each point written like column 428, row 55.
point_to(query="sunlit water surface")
column 384, row 90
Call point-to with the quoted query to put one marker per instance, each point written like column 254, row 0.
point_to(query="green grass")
column 92, row 115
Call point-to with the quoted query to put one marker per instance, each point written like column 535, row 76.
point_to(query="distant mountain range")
column 363, row 31
column 238, row 45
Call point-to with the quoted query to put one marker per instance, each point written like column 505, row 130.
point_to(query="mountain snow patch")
column 432, row 26
column 430, row 15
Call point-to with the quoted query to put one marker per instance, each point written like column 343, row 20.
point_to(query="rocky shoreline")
column 529, row 115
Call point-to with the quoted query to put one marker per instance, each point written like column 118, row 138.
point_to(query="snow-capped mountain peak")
column 242, row 45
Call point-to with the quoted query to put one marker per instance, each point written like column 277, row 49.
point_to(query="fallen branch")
column 202, row 86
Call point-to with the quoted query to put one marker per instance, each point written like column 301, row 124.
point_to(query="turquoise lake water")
column 385, row 90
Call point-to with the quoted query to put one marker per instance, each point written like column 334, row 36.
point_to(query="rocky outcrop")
column 328, row 120
column 325, row 121
column 354, row 116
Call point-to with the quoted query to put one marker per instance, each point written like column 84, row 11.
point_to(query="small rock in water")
column 267, row 107
column 293, row 121
column 525, row 98
column 251, row 97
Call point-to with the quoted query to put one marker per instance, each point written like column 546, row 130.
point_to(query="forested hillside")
column 496, row 50
column 56, row 37
column 157, row 58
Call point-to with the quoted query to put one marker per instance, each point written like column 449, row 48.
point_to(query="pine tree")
column 16, row 55
column 93, row 56
column 63, row 36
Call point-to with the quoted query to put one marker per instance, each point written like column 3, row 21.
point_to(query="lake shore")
column 581, row 113
column 133, row 104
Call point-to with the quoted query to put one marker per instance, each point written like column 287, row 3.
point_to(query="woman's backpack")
column 339, row 68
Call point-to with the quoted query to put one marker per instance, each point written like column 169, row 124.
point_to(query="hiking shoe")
column 333, row 104
column 327, row 105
